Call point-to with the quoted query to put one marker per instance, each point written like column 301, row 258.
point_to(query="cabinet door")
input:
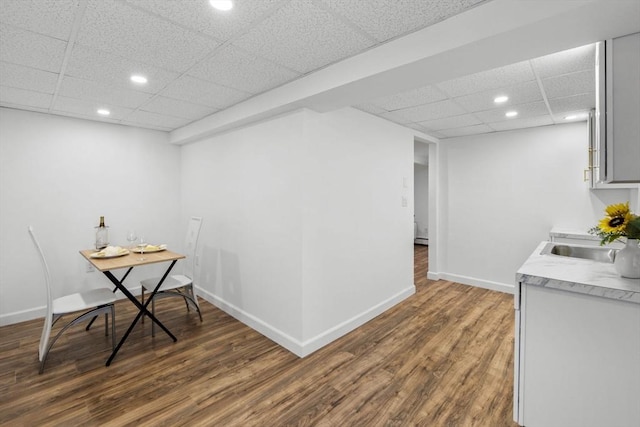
column 581, row 360
column 623, row 109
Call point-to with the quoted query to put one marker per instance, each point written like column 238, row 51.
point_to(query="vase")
column 627, row 260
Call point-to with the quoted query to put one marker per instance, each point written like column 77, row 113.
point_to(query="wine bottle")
column 102, row 235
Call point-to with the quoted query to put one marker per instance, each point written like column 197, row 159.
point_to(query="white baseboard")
column 433, row 276
column 472, row 281
column 302, row 349
column 22, row 315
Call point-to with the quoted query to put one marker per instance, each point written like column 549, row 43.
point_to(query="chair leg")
column 113, row 327
column 153, row 311
column 142, row 302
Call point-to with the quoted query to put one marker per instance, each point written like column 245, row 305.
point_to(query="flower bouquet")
column 619, row 222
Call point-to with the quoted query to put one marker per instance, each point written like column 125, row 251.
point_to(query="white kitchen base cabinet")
column 578, row 359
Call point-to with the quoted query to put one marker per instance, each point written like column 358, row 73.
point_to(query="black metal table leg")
column 142, row 308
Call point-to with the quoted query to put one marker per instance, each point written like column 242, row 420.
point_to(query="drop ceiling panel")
column 570, row 84
column 464, row 131
column 518, row 94
column 385, row 19
column 524, row 110
column 20, row 98
column 80, row 107
column 395, row 117
column 198, row 91
column 21, row 77
column 49, row 17
column 583, row 102
column 411, row 98
column 303, row 37
column 230, row 66
column 122, row 30
column 451, row 122
column 95, row 65
column 201, row 17
column 370, row 108
column 435, row 110
column 177, row 108
column 489, row 80
column 85, row 89
column 568, row 61
column 522, row 123
column 158, row 121
column 33, row 50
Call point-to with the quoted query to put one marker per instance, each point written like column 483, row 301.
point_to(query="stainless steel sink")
column 584, row 252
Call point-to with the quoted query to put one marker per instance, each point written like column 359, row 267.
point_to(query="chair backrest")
column 190, row 246
column 48, row 318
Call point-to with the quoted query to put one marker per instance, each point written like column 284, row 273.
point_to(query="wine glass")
column 142, row 243
column 131, row 237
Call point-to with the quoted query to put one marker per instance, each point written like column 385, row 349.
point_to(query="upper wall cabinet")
column 615, row 142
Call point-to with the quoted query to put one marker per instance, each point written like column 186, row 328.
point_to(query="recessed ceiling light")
column 221, row 4
column 103, row 112
column 500, row 99
column 511, row 113
column 136, row 78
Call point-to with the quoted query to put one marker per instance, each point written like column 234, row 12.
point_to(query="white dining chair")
column 93, row 302
column 179, row 285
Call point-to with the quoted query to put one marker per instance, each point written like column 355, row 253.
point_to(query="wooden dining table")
column 129, row 262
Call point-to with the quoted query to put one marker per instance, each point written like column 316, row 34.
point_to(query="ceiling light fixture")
column 500, row 99
column 103, row 112
column 223, row 5
column 511, row 113
column 136, row 78
column 576, row 116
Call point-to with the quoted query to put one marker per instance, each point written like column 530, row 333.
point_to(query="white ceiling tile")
column 177, row 108
column 304, row 37
column 464, row 131
column 49, row 17
column 527, row 122
column 524, row 111
column 370, row 108
column 190, row 89
column 11, row 96
column 418, row 127
column 385, row 19
column 394, row 117
column 31, row 49
column 85, row 89
column 153, row 119
column 489, row 80
column 119, row 29
column 433, row 111
column 230, row 66
column 201, row 17
column 583, row 102
column 570, row 84
column 91, row 64
column 518, row 94
column 89, row 109
column 451, row 122
column 411, row 98
column 565, row 62
column 13, row 75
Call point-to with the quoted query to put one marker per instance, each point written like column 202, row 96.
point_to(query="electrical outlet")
column 90, row 268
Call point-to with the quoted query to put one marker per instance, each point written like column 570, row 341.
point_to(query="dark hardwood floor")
column 440, row 358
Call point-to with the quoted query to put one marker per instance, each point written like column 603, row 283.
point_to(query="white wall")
column 304, row 236
column 421, row 197
column 60, row 174
column 503, row 192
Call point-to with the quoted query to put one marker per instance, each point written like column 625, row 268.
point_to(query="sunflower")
column 615, row 224
column 617, row 210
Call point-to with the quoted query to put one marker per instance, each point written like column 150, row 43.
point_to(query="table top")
column 130, row 260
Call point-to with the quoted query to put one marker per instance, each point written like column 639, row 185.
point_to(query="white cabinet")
column 615, row 142
column 578, row 359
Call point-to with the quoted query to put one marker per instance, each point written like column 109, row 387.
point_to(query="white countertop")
column 577, row 275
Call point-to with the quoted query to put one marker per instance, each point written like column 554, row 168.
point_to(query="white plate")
column 101, row 255
column 147, row 251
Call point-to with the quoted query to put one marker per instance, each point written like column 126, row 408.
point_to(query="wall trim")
column 431, row 275
column 480, row 283
column 305, row 348
column 22, row 315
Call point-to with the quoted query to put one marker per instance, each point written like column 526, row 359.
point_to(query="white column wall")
column 60, row 174
column 504, row 191
column 358, row 238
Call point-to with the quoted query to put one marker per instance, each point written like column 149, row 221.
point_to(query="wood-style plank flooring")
column 440, row 358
